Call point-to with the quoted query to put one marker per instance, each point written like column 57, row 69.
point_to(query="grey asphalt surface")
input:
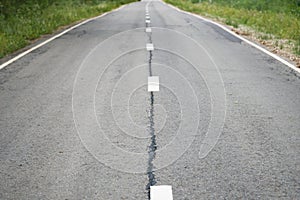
column 76, row 118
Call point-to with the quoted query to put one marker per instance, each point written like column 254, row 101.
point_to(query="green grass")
column 24, row 20
column 280, row 18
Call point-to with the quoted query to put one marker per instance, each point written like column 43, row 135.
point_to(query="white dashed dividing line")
column 240, row 37
column 148, row 30
column 149, row 47
column 153, row 84
column 161, row 192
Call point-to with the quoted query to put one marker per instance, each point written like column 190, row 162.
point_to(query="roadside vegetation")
column 278, row 20
column 22, row 21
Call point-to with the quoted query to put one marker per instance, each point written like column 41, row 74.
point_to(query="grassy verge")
column 278, row 19
column 22, row 21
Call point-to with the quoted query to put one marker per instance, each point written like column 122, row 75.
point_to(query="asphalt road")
column 77, row 121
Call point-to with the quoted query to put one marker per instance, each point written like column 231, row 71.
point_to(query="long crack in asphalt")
column 152, row 148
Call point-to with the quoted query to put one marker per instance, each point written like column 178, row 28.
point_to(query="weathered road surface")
column 77, row 121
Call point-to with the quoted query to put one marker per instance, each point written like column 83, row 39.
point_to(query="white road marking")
column 240, row 37
column 147, row 21
column 153, row 84
column 147, row 17
column 148, row 30
column 161, row 192
column 54, row 37
column 149, row 47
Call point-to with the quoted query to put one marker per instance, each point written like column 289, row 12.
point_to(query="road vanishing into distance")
column 77, row 120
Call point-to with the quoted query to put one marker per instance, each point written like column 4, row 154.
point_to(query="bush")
column 280, row 18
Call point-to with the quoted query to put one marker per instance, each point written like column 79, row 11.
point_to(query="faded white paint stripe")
column 54, row 37
column 240, row 37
